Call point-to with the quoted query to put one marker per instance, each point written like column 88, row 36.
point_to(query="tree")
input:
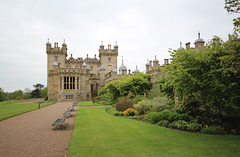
column 233, row 6
column 36, row 93
column 209, row 77
column 2, row 95
column 16, row 95
column 44, row 93
column 136, row 85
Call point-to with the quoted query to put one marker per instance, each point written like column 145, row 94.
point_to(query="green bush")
column 122, row 105
column 122, row 98
column 194, row 126
column 180, row 124
column 107, row 109
column 112, row 111
column 213, row 130
column 163, row 123
column 155, row 117
column 138, row 98
column 96, row 99
column 141, row 107
column 155, row 105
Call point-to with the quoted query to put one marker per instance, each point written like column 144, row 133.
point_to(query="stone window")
column 91, row 68
column 68, row 97
column 109, row 59
column 55, row 58
column 69, row 82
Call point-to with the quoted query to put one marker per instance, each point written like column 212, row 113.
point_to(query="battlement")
column 56, row 49
column 80, row 60
column 109, row 51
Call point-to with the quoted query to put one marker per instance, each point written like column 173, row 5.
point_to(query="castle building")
column 80, row 79
column 77, row 78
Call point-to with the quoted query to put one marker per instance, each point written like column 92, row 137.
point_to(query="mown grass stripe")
column 97, row 133
column 10, row 109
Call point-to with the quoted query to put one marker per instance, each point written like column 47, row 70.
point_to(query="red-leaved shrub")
column 122, row 105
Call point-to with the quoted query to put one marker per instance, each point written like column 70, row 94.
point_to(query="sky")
column 141, row 28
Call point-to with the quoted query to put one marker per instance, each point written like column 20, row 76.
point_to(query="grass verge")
column 97, row 133
column 9, row 108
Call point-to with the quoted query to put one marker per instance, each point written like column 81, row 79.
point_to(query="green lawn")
column 97, row 133
column 88, row 103
column 9, row 109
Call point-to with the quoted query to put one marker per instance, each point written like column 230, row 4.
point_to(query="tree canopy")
column 233, row 6
column 136, row 85
column 209, row 77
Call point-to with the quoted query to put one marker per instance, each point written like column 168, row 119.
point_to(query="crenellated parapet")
column 109, row 51
column 56, row 50
column 80, row 60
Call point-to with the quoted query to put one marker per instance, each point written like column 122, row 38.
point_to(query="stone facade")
column 77, row 78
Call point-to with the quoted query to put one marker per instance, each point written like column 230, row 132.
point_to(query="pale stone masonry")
column 77, row 78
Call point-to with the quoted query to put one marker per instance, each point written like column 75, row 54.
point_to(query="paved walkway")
column 31, row 134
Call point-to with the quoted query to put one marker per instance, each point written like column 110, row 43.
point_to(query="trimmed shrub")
column 107, row 109
column 130, row 112
column 163, row 123
column 194, row 126
column 141, row 106
column 122, row 105
column 213, row 130
column 96, row 98
column 138, row 98
column 112, row 111
column 180, row 124
column 158, row 104
column 155, row 117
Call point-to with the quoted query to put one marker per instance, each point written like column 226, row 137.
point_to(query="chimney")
column 187, row 45
column 150, row 64
column 55, row 44
column 166, row 61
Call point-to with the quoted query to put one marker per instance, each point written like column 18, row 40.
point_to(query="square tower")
column 108, row 57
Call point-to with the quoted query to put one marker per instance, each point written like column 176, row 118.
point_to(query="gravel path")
column 31, row 134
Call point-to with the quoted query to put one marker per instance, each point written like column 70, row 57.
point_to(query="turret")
column 180, row 48
column 147, row 66
column 102, row 70
column 122, row 69
column 199, row 43
column 155, row 62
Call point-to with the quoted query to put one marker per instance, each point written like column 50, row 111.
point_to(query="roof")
column 199, row 40
column 122, row 67
column 102, row 67
column 155, row 60
column 180, row 46
column 55, row 63
column 136, row 71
